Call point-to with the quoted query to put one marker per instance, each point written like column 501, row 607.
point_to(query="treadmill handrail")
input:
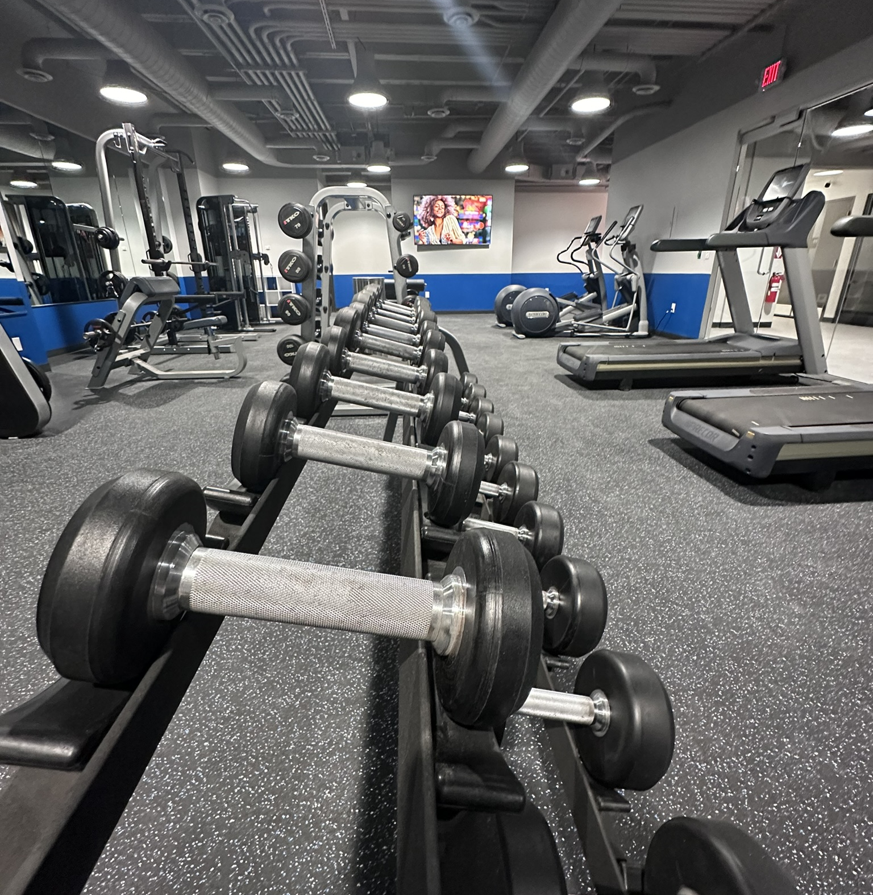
column 680, row 245
column 853, row 225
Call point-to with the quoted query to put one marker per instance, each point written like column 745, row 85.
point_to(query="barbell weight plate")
column 535, row 313
column 305, row 377
column 635, row 750
column 579, row 620
column 107, row 238
column 294, row 266
column 294, row 309
column 255, row 456
column 288, row 347
column 93, row 617
column 690, row 854
column 436, row 362
column 102, row 333
column 504, row 450
column 524, row 485
column 491, row 674
column 503, row 303
column 295, row 220
column 546, row 526
column 406, row 266
column 166, row 245
column 337, row 344
column 401, row 221
column 433, row 338
column 446, row 392
column 489, row 424
column 453, row 497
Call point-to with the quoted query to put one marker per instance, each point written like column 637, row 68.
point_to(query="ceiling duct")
column 265, row 93
column 135, row 41
column 644, row 66
column 592, row 144
column 18, row 139
column 35, row 52
column 572, row 26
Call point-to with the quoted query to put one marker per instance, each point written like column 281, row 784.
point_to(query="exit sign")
column 772, row 74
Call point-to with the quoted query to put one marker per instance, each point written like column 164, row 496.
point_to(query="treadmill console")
column 774, row 199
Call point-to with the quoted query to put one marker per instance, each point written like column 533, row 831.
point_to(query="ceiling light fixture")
column 366, row 92
column 236, row 167
column 855, row 129
column 356, row 185
column 120, row 86
column 320, row 157
column 67, row 166
column 515, row 162
column 23, row 183
column 831, row 173
column 378, row 163
column 590, row 103
column 589, row 175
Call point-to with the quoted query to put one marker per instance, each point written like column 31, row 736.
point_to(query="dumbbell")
column 130, row 562
column 391, row 309
column 374, row 328
column 499, row 452
column 344, row 362
column 405, row 326
column 311, row 378
column 348, row 318
column 267, row 434
column 538, row 526
column 515, row 485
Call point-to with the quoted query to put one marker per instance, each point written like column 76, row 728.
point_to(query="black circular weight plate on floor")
column 534, row 313
column 710, row 857
column 295, row 220
column 436, row 361
column 294, row 309
column 294, row 266
column 489, row 424
column 337, row 345
column 93, row 618
column 446, row 392
column 504, row 450
column 546, row 526
column 577, row 624
column 503, row 303
column 636, row 749
column 453, row 497
column 255, row 457
column 491, row 674
column 524, row 484
column 306, row 376
column 433, row 338
column 288, row 347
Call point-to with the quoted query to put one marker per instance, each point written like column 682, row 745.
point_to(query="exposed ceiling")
column 447, row 66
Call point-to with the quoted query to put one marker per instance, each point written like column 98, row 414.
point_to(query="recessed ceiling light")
column 589, row 181
column 378, row 168
column 66, row 165
column 356, row 185
column 236, row 167
column 831, row 173
column 21, row 184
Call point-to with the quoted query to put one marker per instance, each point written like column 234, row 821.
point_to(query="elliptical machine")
column 536, row 313
column 592, row 277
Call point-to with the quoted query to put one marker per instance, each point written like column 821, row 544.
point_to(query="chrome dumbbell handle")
column 358, row 452
column 219, row 582
column 553, row 705
column 392, row 323
column 383, row 332
column 376, row 366
column 375, row 396
column 490, row 489
column 522, row 533
column 388, row 346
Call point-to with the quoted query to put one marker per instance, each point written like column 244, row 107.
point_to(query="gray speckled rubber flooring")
column 276, row 774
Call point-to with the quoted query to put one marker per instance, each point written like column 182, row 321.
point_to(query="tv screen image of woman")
column 452, row 220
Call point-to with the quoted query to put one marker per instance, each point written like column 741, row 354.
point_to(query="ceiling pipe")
column 644, row 66
column 496, row 93
column 36, row 51
column 571, row 27
column 292, row 143
column 266, row 93
column 435, row 147
column 135, row 41
column 159, row 122
column 592, row 144
column 16, row 139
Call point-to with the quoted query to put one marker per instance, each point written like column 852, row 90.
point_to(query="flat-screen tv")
column 452, row 220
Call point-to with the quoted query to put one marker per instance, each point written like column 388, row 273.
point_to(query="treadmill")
column 777, row 218
column 809, row 429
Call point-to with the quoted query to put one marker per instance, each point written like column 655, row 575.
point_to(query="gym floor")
column 276, row 774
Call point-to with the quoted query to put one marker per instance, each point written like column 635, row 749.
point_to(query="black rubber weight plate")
column 524, row 484
column 546, row 526
column 637, row 747
column 436, row 362
column 446, row 392
column 288, row 347
column 504, row 450
column 491, row 674
column 710, row 857
column 255, row 456
column 93, row 617
column 453, row 498
column 305, row 377
column 337, row 342
column 580, row 619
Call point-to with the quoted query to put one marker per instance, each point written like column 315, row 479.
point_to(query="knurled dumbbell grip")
column 555, row 705
column 375, row 396
column 358, row 452
column 219, row 582
column 389, row 346
column 382, row 332
column 375, row 366
column 392, row 323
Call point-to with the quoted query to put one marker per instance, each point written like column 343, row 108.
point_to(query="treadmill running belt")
column 670, row 347
column 791, row 409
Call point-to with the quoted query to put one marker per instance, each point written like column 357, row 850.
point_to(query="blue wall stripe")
column 688, row 291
